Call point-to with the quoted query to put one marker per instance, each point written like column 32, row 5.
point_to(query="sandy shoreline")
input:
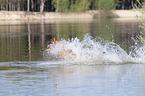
column 20, row 15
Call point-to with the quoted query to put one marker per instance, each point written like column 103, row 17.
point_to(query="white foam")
column 139, row 55
column 90, row 51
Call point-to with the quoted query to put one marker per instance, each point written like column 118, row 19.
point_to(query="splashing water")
column 139, row 55
column 93, row 51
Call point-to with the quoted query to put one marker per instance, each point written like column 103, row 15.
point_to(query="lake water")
column 27, row 70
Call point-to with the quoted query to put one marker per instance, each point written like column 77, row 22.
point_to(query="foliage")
column 80, row 6
column 106, row 4
column 66, row 5
column 63, row 5
column 83, row 5
column 142, row 23
column 72, row 5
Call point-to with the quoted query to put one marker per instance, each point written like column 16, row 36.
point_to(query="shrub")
column 106, row 4
column 142, row 23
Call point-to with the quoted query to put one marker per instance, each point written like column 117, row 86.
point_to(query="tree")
column 106, row 4
column 61, row 5
column 80, row 5
column 66, row 5
column 42, row 5
column 28, row 9
column 71, row 5
column 57, row 6
column 18, row 5
column 32, row 5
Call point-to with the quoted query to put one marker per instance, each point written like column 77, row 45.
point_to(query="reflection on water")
column 25, row 41
column 25, row 72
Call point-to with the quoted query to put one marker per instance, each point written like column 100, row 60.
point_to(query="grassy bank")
column 20, row 15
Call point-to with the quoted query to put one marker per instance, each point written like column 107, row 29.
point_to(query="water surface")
column 27, row 70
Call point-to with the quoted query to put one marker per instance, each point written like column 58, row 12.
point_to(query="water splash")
column 93, row 51
column 139, row 54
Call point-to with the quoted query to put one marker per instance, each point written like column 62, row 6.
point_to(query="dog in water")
column 53, row 40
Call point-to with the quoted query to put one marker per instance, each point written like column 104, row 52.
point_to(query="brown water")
column 26, row 41
column 25, row 69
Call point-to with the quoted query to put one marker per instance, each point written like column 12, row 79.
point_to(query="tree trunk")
column 42, row 5
column 132, row 4
column 14, row 5
column 10, row 5
column 32, row 5
column 57, row 6
column 28, row 5
column 7, row 5
column 18, row 6
column 1, row 7
column 123, row 4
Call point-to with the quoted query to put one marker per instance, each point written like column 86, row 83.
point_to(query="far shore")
column 92, row 14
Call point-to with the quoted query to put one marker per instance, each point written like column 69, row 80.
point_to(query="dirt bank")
column 20, row 15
